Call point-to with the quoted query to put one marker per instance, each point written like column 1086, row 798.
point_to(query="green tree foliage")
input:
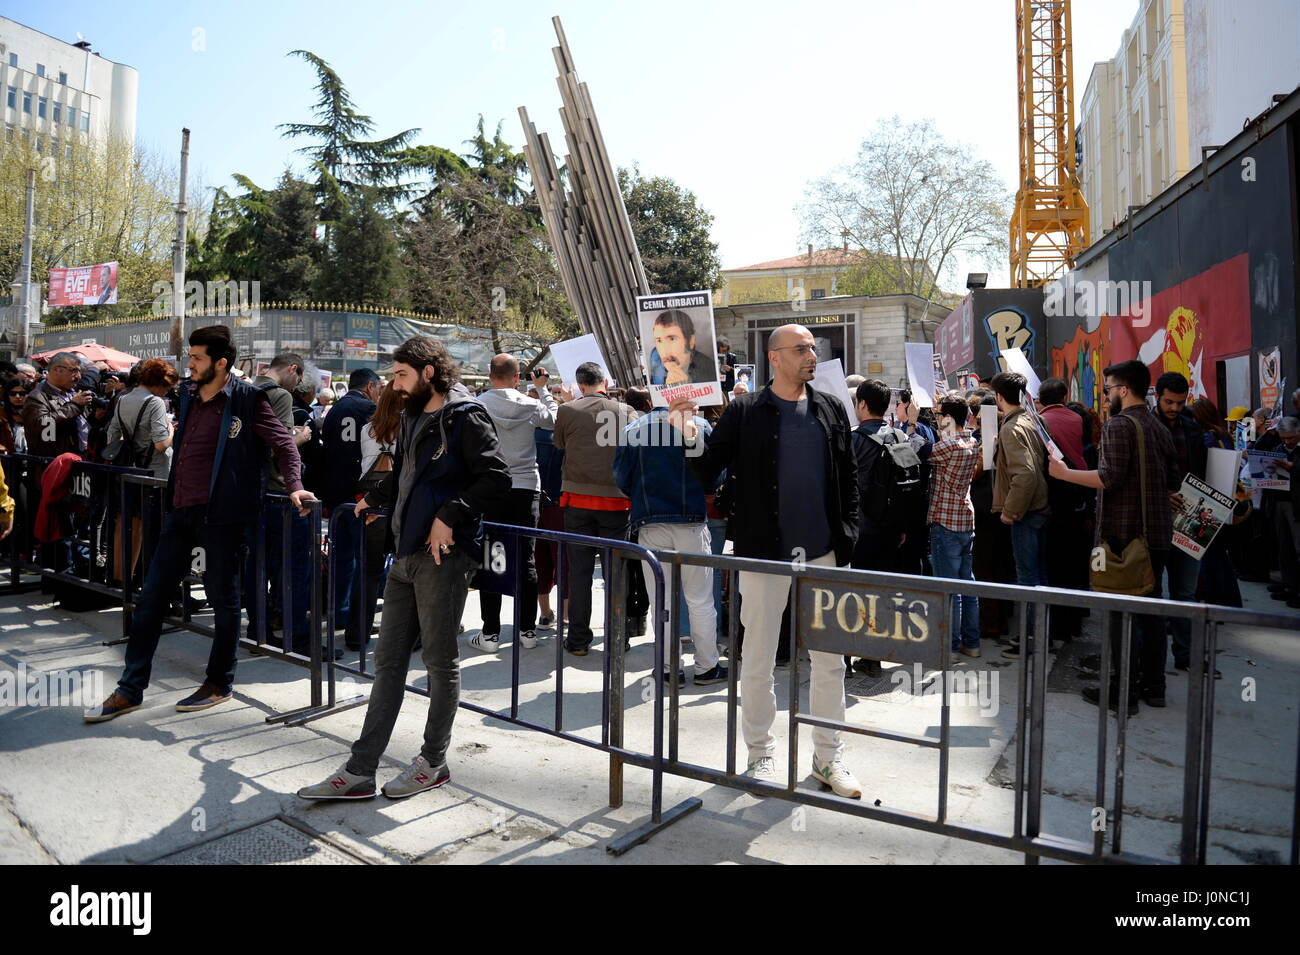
column 475, row 249
column 344, row 159
column 362, row 264
column 671, row 231
column 109, row 202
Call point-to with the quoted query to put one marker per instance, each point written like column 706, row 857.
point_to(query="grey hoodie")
column 516, row 416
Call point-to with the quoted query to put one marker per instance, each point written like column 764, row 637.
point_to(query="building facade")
column 57, row 94
column 1187, row 74
column 866, row 332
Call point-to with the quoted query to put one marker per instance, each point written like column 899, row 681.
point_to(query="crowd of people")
column 417, row 463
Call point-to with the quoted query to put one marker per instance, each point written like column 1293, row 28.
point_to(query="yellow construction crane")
column 1049, row 226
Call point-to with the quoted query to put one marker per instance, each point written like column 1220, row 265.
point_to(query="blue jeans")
column 1029, row 548
column 345, row 541
column 950, row 556
column 183, row 530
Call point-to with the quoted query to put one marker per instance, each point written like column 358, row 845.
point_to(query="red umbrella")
column 116, row 360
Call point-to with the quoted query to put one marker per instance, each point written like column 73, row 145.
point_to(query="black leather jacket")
column 744, row 443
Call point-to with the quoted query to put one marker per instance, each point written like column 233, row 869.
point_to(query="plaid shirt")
column 1119, row 505
column 952, row 468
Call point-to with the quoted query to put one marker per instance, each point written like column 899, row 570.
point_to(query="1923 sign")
column 897, row 626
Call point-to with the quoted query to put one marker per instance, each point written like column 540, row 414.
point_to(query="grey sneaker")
column 762, row 769
column 836, row 776
column 416, row 778
column 341, row 785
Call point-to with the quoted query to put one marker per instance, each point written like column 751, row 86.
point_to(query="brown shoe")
column 115, row 705
column 205, row 696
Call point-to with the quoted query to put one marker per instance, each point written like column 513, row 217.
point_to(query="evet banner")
column 84, row 285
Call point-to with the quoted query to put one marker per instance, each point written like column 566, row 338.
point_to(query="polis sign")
column 897, row 626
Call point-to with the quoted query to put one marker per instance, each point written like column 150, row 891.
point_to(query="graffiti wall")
column 1208, row 286
column 987, row 321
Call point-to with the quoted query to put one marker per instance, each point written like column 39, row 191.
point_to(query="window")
column 9, row 132
column 13, row 59
column 27, row 102
column 72, row 116
column 27, row 135
column 819, row 293
column 67, row 154
column 63, row 79
column 40, row 69
column 11, row 99
column 42, row 107
column 85, row 121
column 58, row 112
column 40, row 145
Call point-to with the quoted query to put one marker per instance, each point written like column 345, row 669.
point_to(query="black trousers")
column 520, row 509
column 1149, row 644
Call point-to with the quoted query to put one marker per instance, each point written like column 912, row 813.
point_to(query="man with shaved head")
column 516, row 417
column 788, row 453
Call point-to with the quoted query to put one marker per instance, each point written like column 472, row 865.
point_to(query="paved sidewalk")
column 155, row 782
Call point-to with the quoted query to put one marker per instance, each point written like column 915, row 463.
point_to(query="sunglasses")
column 18, row 391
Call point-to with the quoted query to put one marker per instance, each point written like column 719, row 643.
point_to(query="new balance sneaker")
column 114, row 706
column 416, row 778
column 205, row 696
column 762, row 769
column 836, row 777
column 341, row 785
column 487, row 642
column 528, row 639
column 716, row 675
column 546, row 623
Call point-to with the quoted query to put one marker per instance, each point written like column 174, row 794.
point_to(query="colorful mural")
column 1080, row 361
column 1188, row 328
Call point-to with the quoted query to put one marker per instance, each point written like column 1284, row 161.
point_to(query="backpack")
column 122, row 452
column 892, row 492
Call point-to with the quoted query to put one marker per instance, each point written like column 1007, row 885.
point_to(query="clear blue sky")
column 742, row 102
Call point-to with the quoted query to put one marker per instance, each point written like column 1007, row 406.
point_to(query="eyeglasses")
column 1105, row 389
column 800, row 349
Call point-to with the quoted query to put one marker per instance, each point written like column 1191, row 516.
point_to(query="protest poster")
column 1018, row 362
column 679, row 347
column 940, row 379
column 84, row 285
column 988, row 433
column 574, row 352
column 830, row 380
column 745, row 376
column 1270, row 373
column 1221, row 470
column 920, row 372
column 1199, row 511
column 1264, row 474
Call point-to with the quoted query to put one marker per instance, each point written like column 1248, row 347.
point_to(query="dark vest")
column 240, row 464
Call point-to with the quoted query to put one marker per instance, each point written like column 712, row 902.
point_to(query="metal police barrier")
column 501, row 563
column 902, row 618
column 101, row 554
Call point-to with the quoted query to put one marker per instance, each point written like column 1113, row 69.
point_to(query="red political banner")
column 84, row 285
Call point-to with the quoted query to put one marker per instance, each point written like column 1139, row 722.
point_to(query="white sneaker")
column 762, row 769
column 487, row 642
column 528, row 639
column 836, row 776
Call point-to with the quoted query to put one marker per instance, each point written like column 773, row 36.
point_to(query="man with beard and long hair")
column 1125, row 470
column 218, row 474
column 447, row 471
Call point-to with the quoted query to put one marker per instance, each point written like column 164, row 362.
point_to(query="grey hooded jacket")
column 515, row 416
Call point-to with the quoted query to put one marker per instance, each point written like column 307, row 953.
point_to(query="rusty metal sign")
column 896, row 626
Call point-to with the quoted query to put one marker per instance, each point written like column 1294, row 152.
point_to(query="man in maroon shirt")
column 1069, row 528
column 215, row 491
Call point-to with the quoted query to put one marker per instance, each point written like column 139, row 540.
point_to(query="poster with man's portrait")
column 679, row 347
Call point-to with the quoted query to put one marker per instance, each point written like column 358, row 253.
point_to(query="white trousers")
column 697, row 586
column 762, row 601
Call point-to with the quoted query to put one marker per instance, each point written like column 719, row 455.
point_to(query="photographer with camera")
column 54, row 415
